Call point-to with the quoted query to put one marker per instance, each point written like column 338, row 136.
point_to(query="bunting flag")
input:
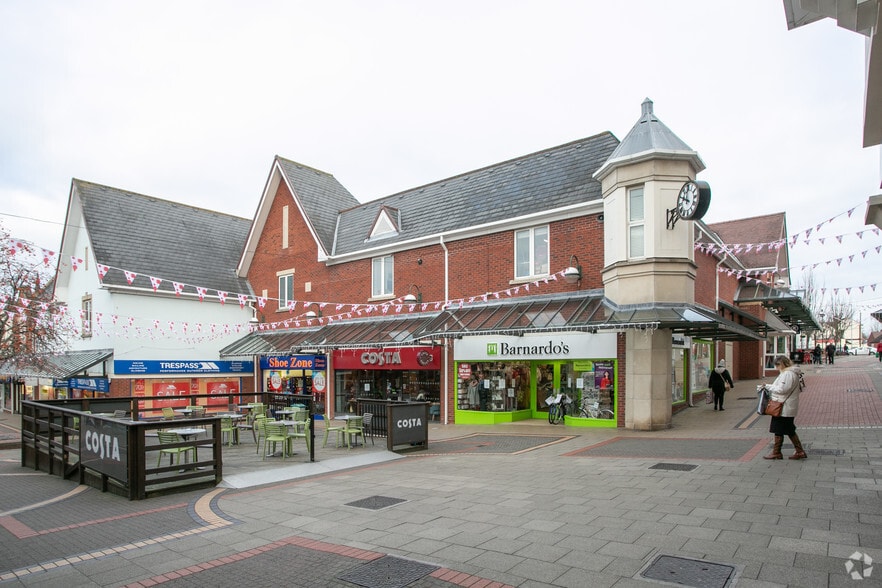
column 179, row 287
column 201, row 292
column 222, row 296
column 75, row 262
column 155, row 282
column 130, row 276
column 102, row 270
column 243, row 300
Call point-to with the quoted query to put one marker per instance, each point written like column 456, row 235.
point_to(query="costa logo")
column 381, row 358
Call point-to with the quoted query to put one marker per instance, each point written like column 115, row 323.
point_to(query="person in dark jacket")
column 720, row 380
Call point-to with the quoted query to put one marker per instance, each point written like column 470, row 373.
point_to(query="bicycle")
column 557, row 407
column 591, row 409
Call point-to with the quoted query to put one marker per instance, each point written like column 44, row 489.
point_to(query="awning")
column 583, row 312
column 787, row 306
column 55, row 365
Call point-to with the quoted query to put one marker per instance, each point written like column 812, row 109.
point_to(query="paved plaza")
column 526, row 504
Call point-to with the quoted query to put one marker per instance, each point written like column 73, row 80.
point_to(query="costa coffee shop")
column 391, row 373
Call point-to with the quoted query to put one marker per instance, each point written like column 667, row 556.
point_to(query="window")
column 383, row 276
column 86, row 315
column 636, row 247
column 286, row 289
column 531, row 252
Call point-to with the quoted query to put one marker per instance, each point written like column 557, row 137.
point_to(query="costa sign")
column 398, row 358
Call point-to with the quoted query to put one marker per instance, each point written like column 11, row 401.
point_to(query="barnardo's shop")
column 170, row 382
column 391, row 373
column 503, row 378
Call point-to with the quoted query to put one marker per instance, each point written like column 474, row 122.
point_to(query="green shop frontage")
column 501, row 379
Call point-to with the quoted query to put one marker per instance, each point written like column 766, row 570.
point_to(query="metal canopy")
column 586, row 312
column 56, row 365
column 787, row 306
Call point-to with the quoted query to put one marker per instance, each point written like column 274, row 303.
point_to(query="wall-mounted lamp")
column 573, row 274
column 253, row 321
column 313, row 313
column 411, row 297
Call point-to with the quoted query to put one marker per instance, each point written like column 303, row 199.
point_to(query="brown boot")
column 799, row 453
column 776, row 450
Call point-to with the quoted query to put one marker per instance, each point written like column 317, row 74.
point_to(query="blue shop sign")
column 294, row 362
column 93, row 384
column 162, row 366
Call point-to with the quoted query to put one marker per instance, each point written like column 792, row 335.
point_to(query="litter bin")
column 797, row 356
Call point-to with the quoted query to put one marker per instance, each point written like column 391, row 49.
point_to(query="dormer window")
column 386, row 224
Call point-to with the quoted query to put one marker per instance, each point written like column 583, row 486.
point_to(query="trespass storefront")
column 503, row 379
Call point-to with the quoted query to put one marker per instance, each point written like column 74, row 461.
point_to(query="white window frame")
column 636, row 223
column 534, row 252
column 382, row 276
column 286, row 288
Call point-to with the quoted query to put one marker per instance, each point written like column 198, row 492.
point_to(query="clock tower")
column 650, row 197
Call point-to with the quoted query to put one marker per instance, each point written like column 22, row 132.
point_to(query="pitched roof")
column 758, row 229
column 321, row 196
column 545, row 180
column 163, row 239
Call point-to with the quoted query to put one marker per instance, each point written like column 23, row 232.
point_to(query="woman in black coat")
column 719, row 382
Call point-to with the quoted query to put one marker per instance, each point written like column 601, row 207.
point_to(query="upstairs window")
column 382, row 276
column 636, row 225
column 286, row 289
column 531, row 252
column 86, row 315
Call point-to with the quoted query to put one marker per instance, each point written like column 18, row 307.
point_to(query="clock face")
column 693, row 200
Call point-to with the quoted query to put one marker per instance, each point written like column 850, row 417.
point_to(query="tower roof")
column 649, row 138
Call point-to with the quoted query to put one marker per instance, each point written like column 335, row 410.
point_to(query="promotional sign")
column 93, row 384
column 398, row 358
column 408, row 423
column 103, row 447
column 171, row 394
column 123, row 366
column 603, row 374
column 319, row 382
column 222, row 390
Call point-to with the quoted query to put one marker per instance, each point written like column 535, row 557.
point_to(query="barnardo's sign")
column 162, row 366
column 542, row 346
column 103, row 447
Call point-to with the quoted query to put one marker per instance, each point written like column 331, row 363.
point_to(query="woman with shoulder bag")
column 719, row 381
column 785, row 389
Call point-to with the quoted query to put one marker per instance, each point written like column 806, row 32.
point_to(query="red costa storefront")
column 394, row 373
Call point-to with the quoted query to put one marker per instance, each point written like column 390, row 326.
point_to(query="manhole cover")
column 677, row 467
column 746, row 398
column 859, row 390
column 689, row 572
column 387, row 572
column 375, row 502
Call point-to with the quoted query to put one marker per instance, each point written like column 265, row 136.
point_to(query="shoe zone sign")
column 104, row 446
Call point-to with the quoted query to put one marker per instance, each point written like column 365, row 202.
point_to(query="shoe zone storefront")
column 503, row 379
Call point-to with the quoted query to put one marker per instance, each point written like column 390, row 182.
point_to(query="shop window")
column 636, row 233
column 531, row 252
column 86, row 315
column 493, row 386
column 382, row 276
column 775, row 346
column 286, row 289
column 700, row 365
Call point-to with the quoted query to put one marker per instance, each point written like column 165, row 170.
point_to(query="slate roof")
column 162, row 239
column 758, row 229
column 545, row 180
column 321, row 196
column 55, row 365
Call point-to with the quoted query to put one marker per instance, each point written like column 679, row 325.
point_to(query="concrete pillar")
column 648, row 377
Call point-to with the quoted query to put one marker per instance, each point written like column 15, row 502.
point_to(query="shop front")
column 502, row 379
column 171, row 383
column 296, row 374
column 388, row 373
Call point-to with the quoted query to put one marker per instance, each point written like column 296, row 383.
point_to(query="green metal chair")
column 168, row 413
column 299, row 433
column 354, row 428
column 259, row 424
column 174, row 453
column 332, row 428
column 231, row 431
column 276, row 433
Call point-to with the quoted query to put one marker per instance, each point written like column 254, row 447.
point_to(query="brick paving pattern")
column 530, row 515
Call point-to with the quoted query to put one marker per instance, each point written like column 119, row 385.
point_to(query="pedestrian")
column 831, row 352
column 816, row 354
column 879, row 350
column 785, row 389
column 719, row 381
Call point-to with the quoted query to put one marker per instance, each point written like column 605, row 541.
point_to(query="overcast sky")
column 190, row 101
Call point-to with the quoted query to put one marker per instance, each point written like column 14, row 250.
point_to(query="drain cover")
column 859, row 390
column 387, row 572
column 375, row 502
column 836, row 452
column 689, row 572
column 677, row 467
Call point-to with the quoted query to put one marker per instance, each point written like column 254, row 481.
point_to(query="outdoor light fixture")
column 573, row 274
column 312, row 313
column 411, row 297
column 253, row 320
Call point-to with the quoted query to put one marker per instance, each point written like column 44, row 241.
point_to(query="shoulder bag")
column 773, row 407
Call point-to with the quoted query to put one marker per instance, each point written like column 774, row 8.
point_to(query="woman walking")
column 785, row 389
column 719, row 381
